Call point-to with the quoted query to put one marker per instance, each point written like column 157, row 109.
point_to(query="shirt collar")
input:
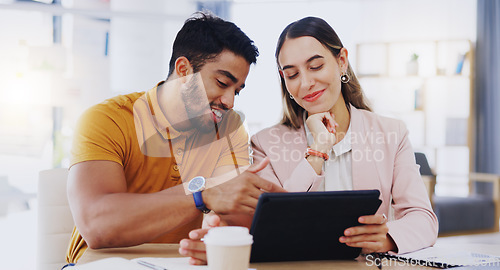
column 160, row 121
column 344, row 145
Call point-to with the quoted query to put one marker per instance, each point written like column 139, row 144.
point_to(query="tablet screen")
column 300, row 226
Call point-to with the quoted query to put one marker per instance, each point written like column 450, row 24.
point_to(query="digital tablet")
column 303, row 226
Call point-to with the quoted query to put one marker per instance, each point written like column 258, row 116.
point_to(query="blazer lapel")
column 365, row 173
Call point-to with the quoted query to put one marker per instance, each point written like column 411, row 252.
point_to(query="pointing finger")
column 260, row 166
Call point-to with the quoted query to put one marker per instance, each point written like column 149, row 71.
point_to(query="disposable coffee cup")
column 228, row 248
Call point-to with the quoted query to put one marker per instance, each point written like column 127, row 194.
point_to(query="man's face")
column 209, row 94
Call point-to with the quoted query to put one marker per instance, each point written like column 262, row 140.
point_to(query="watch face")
column 196, row 184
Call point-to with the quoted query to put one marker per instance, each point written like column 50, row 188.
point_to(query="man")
column 134, row 156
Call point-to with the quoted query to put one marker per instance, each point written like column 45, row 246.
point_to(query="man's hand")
column 371, row 237
column 240, row 194
column 194, row 247
column 236, row 196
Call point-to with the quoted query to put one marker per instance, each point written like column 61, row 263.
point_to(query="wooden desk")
column 171, row 250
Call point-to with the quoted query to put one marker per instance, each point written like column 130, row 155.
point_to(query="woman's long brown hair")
column 324, row 33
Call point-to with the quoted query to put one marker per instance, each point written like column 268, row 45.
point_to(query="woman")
column 329, row 139
column 350, row 148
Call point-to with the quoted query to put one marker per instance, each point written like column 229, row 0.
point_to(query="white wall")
column 36, row 74
column 355, row 21
column 90, row 76
column 141, row 41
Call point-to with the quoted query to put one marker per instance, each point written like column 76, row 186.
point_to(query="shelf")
column 377, row 76
column 434, row 99
column 418, row 58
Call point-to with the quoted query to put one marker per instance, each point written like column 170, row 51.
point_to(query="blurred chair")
column 12, row 198
column 479, row 212
column 55, row 222
column 427, row 174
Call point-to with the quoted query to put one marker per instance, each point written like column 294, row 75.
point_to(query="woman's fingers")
column 366, row 229
column 372, row 236
column 373, row 219
column 363, row 238
column 329, row 121
column 372, row 224
column 323, row 129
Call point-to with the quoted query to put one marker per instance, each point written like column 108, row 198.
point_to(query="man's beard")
column 195, row 99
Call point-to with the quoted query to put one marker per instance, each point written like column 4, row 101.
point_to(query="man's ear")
column 183, row 67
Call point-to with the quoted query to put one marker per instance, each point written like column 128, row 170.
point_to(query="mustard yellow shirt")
column 132, row 131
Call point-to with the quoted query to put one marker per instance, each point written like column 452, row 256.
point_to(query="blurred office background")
column 416, row 61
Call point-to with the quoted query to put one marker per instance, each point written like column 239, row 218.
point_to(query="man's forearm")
column 225, row 174
column 126, row 219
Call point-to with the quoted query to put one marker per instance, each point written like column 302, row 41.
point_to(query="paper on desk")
column 108, row 263
column 124, row 264
column 452, row 257
column 175, row 263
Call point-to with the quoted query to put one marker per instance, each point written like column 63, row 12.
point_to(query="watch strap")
column 198, row 201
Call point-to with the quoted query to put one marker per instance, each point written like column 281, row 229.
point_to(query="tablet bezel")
column 301, row 226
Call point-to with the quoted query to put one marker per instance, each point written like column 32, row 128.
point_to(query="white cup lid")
column 228, row 236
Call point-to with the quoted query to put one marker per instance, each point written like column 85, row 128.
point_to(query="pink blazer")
column 382, row 158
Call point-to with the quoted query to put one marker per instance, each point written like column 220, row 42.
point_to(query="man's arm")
column 195, row 248
column 224, row 174
column 103, row 210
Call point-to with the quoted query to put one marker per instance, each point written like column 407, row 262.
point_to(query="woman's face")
column 312, row 73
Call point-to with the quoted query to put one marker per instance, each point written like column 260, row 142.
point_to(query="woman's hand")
column 194, row 247
column 323, row 129
column 371, row 237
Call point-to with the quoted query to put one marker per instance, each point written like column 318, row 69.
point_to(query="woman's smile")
column 314, row 96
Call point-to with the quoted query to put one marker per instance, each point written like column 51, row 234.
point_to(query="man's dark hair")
column 204, row 36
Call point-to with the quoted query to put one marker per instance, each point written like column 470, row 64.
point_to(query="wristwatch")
column 196, row 186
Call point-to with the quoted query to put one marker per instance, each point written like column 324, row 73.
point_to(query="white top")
column 338, row 168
